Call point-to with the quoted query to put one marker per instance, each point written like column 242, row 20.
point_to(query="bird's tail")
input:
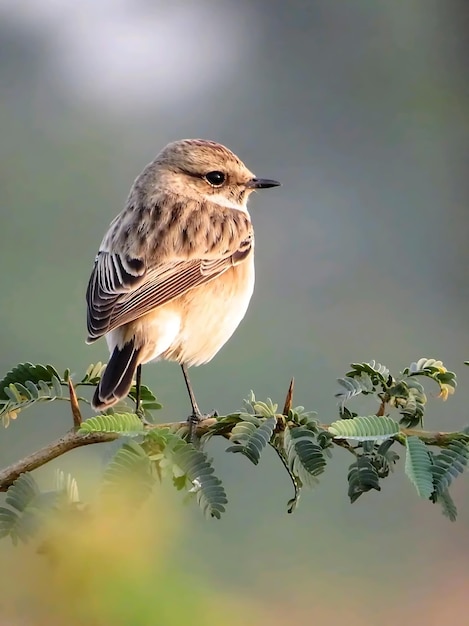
column 117, row 379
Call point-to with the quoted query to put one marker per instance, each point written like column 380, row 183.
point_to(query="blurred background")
column 361, row 109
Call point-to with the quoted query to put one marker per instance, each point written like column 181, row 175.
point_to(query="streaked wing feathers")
column 120, row 290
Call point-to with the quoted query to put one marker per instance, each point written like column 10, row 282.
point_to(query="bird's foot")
column 139, row 412
column 194, row 420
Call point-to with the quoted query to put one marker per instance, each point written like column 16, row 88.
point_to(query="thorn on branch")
column 289, row 399
column 77, row 419
column 382, row 408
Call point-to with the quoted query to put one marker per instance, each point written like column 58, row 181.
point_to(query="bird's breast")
column 211, row 313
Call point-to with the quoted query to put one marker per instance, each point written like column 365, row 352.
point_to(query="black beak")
column 261, row 183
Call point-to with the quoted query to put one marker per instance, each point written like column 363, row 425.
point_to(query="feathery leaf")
column 434, row 369
column 30, row 504
column 190, row 468
column 304, row 456
column 148, row 400
column 301, row 417
column 372, row 428
column 27, row 372
column 129, row 474
column 250, row 439
column 123, row 423
column 448, row 507
column 351, row 387
column 418, row 466
column 26, row 384
column 377, row 372
column 362, row 477
column 447, row 465
column 93, row 374
column 22, row 492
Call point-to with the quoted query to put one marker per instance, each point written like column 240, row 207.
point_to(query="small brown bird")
column 175, row 272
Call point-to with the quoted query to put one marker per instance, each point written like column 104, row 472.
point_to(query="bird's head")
column 202, row 170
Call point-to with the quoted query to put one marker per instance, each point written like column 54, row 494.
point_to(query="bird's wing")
column 122, row 289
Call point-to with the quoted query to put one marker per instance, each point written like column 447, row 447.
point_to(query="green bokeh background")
column 361, row 109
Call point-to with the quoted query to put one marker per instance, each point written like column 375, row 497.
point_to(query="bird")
column 174, row 273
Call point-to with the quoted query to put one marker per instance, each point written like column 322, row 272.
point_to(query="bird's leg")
column 138, row 392
column 196, row 415
column 138, row 383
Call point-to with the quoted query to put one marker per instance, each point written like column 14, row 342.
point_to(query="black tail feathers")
column 117, row 378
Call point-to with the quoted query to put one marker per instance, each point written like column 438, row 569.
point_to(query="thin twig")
column 294, row 480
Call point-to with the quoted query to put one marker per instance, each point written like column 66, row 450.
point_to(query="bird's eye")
column 216, row 179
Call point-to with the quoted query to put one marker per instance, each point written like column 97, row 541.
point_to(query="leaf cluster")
column 431, row 473
column 26, row 384
column 405, row 392
column 28, row 506
column 150, row 453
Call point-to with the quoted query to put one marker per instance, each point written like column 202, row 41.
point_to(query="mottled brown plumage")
column 175, row 271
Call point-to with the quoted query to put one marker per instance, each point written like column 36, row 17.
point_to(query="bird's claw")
column 194, row 420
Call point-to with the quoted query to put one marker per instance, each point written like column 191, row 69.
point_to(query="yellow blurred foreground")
column 110, row 566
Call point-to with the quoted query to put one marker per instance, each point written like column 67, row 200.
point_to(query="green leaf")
column 123, row 423
column 377, row 372
column 93, row 374
column 67, row 485
column 250, row 439
column 409, row 398
column 249, row 402
column 371, row 428
column 447, row 465
column 56, row 386
column 449, row 509
column 30, row 504
column 434, row 369
column 224, row 425
column 129, row 474
column 265, row 409
column 418, row 466
column 363, row 378
column 19, row 527
column 8, row 521
column 22, row 492
column 190, row 469
column 362, row 477
column 26, row 384
column 278, row 445
column 304, row 456
column 208, row 489
column 148, row 401
column 259, row 408
column 14, row 394
column 27, row 372
column 299, row 416
column 422, row 364
column 351, row 387
column 384, row 458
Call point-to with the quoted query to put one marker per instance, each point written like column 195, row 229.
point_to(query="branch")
column 55, row 449
column 441, row 439
column 73, row 440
